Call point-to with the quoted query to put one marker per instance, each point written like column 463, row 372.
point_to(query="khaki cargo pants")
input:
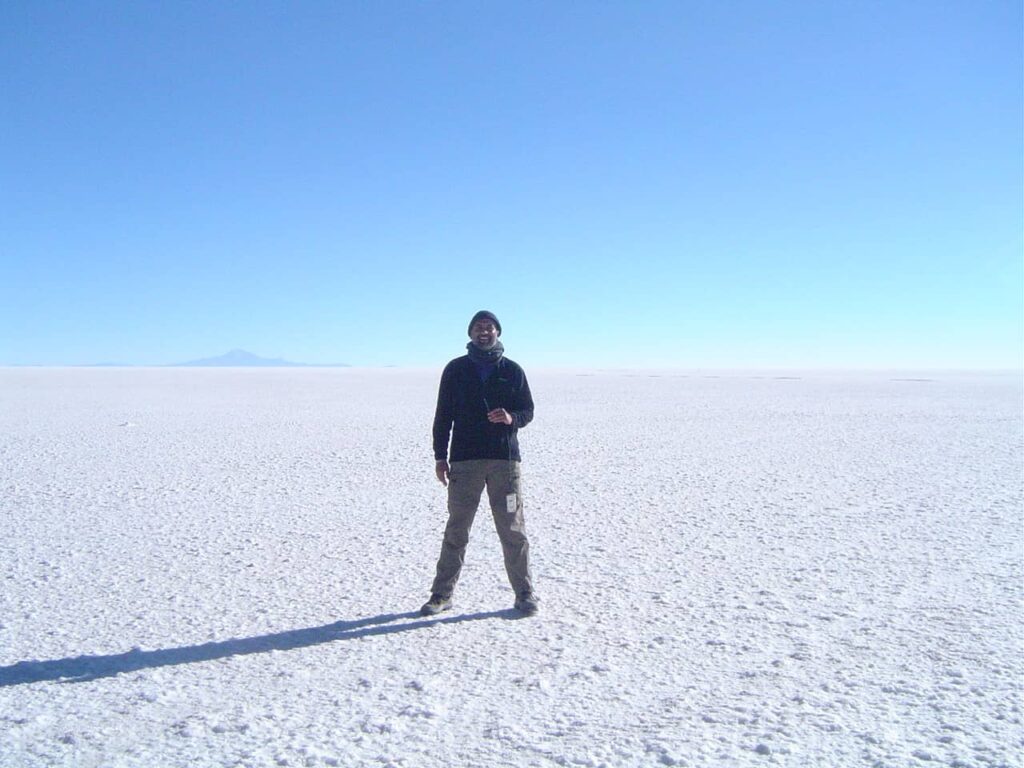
column 466, row 482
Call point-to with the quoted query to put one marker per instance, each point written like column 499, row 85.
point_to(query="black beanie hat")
column 483, row 314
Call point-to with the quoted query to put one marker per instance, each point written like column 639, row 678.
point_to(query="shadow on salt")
column 80, row 669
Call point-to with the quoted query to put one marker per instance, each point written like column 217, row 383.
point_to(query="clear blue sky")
column 696, row 184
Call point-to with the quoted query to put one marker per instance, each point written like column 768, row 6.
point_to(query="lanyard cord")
column 510, row 427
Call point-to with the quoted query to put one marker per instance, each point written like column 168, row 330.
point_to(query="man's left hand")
column 499, row 416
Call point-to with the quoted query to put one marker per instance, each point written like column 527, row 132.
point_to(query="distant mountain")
column 239, row 358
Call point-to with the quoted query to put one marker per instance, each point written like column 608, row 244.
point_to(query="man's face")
column 484, row 334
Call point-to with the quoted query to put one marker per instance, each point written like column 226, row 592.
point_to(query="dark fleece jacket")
column 463, row 401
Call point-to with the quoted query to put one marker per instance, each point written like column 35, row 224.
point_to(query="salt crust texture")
column 223, row 568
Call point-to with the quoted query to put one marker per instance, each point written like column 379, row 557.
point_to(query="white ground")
column 222, row 568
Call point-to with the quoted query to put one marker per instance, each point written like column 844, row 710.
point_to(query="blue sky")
column 694, row 184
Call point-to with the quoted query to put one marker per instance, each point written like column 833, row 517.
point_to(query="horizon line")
column 604, row 367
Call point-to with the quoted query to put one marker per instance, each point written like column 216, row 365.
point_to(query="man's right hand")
column 441, row 469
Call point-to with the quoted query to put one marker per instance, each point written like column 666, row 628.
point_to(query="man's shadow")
column 78, row 669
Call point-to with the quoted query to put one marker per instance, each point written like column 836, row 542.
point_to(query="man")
column 483, row 401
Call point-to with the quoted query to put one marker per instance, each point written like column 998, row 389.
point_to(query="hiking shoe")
column 527, row 603
column 435, row 605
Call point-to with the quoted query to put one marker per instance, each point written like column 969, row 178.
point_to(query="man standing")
column 483, row 401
